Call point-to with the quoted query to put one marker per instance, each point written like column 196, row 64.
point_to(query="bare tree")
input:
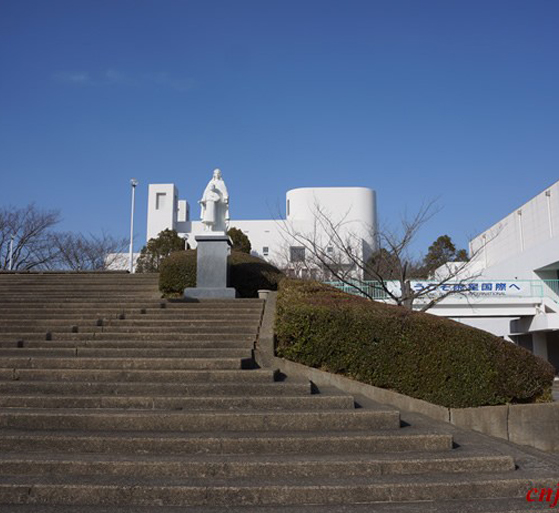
column 28, row 228
column 388, row 272
column 326, row 251
column 77, row 252
column 290, row 263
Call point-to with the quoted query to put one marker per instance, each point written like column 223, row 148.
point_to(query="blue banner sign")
column 477, row 288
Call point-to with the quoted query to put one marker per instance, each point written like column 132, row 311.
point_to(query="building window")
column 265, row 250
column 330, row 249
column 287, row 208
column 160, row 200
column 296, row 254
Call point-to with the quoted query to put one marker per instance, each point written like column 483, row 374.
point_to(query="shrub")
column 247, row 274
column 157, row 249
column 177, row 272
column 413, row 353
column 240, row 241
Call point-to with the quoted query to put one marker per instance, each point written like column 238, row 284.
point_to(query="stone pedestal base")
column 209, row 293
column 211, row 264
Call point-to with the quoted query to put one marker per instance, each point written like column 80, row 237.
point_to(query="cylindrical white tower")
column 351, row 209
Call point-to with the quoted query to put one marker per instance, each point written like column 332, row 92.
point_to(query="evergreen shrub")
column 417, row 354
column 247, row 274
column 157, row 249
column 177, row 272
column 240, row 240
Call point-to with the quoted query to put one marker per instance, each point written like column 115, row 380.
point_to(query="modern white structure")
column 353, row 208
column 516, row 294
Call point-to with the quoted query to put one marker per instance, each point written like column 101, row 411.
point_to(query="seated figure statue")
column 215, row 205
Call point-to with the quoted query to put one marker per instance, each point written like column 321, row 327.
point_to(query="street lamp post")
column 133, row 183
column 11, row 252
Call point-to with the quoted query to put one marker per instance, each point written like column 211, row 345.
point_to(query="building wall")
column 353, row 208
column 499, row 326
column 162, row 208
column 524, row 242
column 553, row 348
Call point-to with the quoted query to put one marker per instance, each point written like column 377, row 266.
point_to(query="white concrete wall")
column 353, row 207
column 162, row 208
column 499, row 326
column 525, row 243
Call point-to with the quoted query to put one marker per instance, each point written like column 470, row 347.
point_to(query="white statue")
column 215, row 205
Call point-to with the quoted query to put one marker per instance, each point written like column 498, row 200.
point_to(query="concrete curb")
column 535, row 425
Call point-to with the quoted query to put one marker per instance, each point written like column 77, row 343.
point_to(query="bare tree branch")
column 77, row 252
column 29, row 227
column 337, row 252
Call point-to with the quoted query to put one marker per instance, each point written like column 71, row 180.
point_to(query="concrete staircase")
column 114, row 400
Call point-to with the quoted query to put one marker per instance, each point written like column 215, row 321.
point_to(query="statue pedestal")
column 211, row 268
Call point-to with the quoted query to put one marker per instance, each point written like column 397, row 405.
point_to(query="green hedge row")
column 416, row 354
column 247, row 274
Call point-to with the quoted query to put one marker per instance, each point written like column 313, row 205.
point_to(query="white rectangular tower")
column 162, row 208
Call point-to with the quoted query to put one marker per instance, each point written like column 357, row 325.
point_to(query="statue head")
column 217, row 174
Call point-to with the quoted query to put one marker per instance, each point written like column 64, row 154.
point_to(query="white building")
column 517, row 289
column 353, row 209
column 515, row 293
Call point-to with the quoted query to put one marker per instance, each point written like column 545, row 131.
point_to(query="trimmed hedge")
column 177, row 272
column 416, row 354
column 247, row 274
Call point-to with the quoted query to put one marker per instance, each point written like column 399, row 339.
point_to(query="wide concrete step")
column 137, row 337
column 243, row 443
column 235, row 467
column 14, row 303
column 202, row 328
column 163, row 345
column 124, row 363
column 84, row 290
column 30, row 285
column 66, row 297
column 140, row 420
column 245, row 390
column 477, row 505
column 56, row 328
column 117, row 321
column 62, row 352
column 132, row 296
column 28, row 300
column 92, row 282
column 197, row 322
column 156, row 376
column 89, row 310
column 85, row 490
column 73, row 284
column 151, row 402
column 155, row 316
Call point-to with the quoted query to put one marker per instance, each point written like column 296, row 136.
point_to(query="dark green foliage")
column 247, row 274
column 157, row 249
column 413, row 353
column 240, row 241
column 177, row 272
column 442, row 251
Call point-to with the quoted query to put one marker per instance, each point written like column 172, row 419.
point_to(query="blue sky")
column 456, row 100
